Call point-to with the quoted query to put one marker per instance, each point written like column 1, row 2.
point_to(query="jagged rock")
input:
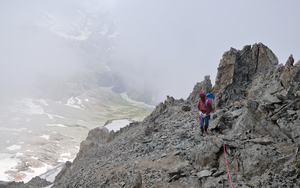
column 261, row 141
column 237, row 113
column 207, row 153
column 110, row 137
column 203, row 173
column 256, row 159
column 98, row 135
column 287, row 74
column 38, row 182
column 158, row 109
column 204, row 86
column 237, row 104
column 186, row 108
column 170, row 100
column 137, row 182
column 238, row 68
column 35, row 182
column 297, row 94
column 63, row 171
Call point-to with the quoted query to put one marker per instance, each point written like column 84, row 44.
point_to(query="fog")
column 167, row 45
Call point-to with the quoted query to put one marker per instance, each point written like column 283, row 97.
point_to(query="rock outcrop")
column 35, row 182
column 204, row 86
column 256, row 124
column 238, row 68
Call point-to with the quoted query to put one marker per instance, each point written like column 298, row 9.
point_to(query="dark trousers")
column 204, row 121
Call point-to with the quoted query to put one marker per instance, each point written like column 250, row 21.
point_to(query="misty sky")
column 170, row 44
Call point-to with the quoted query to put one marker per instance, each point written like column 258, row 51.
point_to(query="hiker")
column 204, row 107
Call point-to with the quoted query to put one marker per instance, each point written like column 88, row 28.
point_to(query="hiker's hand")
column 203, row 115
column 200, row 113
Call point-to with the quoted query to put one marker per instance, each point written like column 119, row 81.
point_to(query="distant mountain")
column 92, row 38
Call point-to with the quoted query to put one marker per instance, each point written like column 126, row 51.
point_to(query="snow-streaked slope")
column 38, row 135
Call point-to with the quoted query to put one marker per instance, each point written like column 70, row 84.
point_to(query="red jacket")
column 201, row 105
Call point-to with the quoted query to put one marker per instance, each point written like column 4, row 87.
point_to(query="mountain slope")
column 256, row 118
column 256, row 123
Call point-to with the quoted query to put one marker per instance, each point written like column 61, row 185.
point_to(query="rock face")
column 257, row 119
column 204, row 86
column 238, row 68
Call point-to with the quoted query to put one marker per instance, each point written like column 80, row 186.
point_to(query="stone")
column 163, row 155
column 206, row 153
column 137, row 181
column 237, row 113
column 63, row 171
column 237, row 104
column 38, row 182
column 256, row 159
column 297, row 94
column 204, row 86
column 287, row 74
column 175, row 177
column 291, row 112
column 203, row 173
column 261, row 141
column 170, row 100
column 186, row 108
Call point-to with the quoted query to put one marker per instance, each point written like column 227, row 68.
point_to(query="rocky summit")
column 252, row 141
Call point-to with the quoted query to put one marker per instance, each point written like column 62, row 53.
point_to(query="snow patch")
column 14, row 147
column 7, row 129
column 36, row 172
column 64, row 157
column 6, row 163
column 71, row 102
column 51, row 116
column 79, row 101
column 56, row 125
column 9, row 162
column 45, row 136
column 34, row 157
column 117, row 124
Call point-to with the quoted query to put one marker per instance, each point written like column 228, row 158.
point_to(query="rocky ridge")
column 256, row 116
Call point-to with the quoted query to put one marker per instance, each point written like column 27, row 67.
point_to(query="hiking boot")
column 206, row 128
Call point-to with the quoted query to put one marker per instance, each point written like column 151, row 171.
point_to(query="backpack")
column 211, row 97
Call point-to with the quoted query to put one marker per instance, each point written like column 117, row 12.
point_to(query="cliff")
column 256, row 124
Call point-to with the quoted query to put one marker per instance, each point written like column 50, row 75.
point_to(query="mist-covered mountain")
column 252, row 141
column 58, row 84
column 65, row 50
